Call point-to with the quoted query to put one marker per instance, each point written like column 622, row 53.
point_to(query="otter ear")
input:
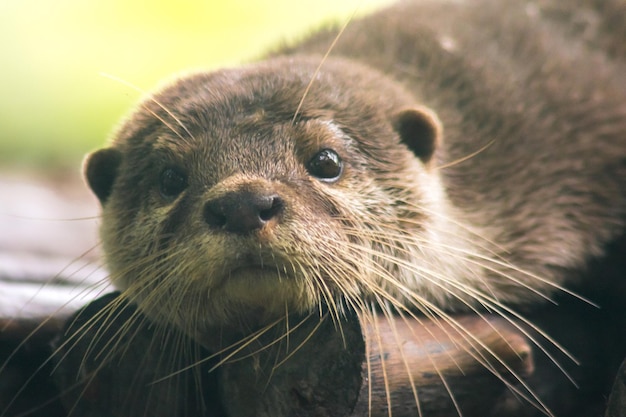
column 421, row 130
column 100, row 169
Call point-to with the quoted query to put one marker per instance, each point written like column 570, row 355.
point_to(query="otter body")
column 446, row 155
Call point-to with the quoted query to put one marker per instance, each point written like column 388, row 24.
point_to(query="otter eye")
column 172, row 182
column 326, row 165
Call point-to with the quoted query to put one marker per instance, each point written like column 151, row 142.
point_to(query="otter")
column 442, row 156
column 433, row 164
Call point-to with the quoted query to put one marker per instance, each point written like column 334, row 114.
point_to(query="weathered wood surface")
column 354, row 368
column 319, row 367
column 447, row 368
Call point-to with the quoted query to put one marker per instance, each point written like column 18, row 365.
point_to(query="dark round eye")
column 172, row 182
column 326, row 165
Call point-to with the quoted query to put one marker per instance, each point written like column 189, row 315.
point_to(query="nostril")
column 276, row 206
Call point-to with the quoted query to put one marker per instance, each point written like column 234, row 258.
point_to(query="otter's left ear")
column 421, row 130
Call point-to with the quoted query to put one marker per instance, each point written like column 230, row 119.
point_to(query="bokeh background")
column 55, row 104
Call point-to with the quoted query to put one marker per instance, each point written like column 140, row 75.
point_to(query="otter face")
column 229, row 198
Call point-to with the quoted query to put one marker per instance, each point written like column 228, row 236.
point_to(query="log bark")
column 313, row 366
column 434, row 368
column 113, row 362
column 381, row 367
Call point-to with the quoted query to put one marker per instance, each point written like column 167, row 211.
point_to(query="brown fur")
column 410, row 219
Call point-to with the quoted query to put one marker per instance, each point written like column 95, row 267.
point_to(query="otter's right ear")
column 100, row 168
column 421, row 130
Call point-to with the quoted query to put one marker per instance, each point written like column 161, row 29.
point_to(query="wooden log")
column 410, row 366
column 313, row 369
column 436, row 368
column 304, row 367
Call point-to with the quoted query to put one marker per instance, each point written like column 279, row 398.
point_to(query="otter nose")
column 242, row 211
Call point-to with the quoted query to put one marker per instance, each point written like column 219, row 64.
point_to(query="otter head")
column 246, row 194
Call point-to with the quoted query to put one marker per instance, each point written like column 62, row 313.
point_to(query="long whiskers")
column 428, row 309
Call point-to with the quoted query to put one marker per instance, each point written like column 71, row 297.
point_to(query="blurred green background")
column 54, row 103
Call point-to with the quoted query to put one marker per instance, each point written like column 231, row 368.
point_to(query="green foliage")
column 54, row 103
